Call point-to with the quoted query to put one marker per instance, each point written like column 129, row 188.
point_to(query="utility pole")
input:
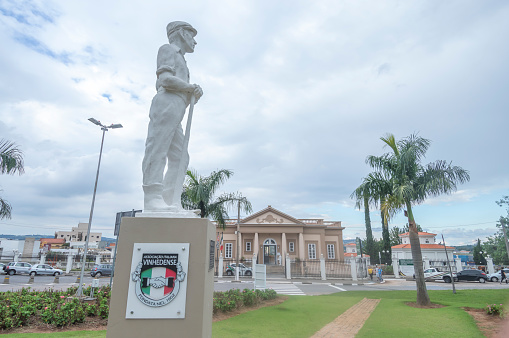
column 449, row 263
column 239, row 246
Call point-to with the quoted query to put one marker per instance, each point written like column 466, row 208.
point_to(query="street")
column 282, row 286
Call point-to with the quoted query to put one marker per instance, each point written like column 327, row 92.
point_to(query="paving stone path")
column 350, row 322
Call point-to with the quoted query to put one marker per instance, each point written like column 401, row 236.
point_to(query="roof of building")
column 270, row 219
column 423, row 246
column 350, row 244
column 52, row 240
column 353, row 254
column 419, row 233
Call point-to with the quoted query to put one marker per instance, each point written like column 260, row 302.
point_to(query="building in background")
column 429, row 248
column 27, row 249
column 79, row 234
column 272, row 234
column 51, row 243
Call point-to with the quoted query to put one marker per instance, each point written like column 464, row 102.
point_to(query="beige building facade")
column 272, row 234
column 79, row 234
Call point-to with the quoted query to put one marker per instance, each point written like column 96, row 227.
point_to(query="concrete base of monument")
column 164, row 278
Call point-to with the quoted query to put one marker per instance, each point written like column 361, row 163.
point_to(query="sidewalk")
column 282, row 280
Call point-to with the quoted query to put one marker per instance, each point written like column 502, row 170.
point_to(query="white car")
column 244, row 270
column 44, row 269
column 495, row 277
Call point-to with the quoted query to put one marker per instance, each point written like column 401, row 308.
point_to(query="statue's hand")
column 198, row 92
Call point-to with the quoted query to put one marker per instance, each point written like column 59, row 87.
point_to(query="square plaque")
column 158, row 281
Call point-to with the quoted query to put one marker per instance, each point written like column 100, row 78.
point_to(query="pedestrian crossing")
column 286, row 289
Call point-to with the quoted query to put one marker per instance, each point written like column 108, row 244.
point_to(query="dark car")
column 101, row 270
column 472, row 275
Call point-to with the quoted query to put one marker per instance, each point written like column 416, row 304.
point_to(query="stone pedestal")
column 196, row 320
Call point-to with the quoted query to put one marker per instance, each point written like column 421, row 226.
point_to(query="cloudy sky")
column 296, row 95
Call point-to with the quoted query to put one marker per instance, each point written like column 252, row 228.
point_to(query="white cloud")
column 297, row 95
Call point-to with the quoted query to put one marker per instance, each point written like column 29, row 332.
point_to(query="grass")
column 299, row 316
column 302, row 316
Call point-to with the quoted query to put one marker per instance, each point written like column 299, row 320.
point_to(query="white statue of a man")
column 165, row 138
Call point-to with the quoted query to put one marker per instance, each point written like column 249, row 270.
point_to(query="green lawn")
column 302, row 316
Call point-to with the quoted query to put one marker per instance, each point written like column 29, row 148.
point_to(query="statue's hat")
column 176, row 25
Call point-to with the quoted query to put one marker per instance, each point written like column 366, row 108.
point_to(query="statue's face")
column 189, row 41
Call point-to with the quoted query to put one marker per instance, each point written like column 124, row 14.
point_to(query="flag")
column 221, row 242
column 217, row 241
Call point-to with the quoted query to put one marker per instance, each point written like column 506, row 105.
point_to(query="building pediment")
column 270, row 216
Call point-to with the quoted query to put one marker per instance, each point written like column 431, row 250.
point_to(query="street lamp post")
column 104, row 128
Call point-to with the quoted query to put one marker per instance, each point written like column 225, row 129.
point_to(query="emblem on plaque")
column 158, row 277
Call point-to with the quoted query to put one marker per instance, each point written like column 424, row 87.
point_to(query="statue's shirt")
column 170, row 59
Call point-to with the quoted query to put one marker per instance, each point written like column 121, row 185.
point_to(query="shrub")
column 249, row 297
column 104, row 309
column 51, row 307
column 495, row 309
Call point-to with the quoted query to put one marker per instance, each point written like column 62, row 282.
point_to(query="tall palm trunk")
column 386, row 240
column 422, row 292
column 370, row 245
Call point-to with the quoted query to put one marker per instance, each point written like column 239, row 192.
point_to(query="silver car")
column 495, row 277
column 44, row 269
column 17, row 267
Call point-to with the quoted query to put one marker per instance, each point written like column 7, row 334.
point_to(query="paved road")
column 282, row 286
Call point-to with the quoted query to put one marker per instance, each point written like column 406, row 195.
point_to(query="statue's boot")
column 153, row 199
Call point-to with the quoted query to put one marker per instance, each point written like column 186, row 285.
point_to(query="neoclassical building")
column 271, row 234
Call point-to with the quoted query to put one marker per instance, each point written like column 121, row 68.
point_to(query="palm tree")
column 375, row 190
column 198, row 193
column 11, row 162
column 362, row 199
column 411, row 183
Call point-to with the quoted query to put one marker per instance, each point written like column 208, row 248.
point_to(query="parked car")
column 2, row 266
column 44, row 269
column 244, row 270
column 472, row 275
column 17, row 267
column 495, row 277
column 101, row 270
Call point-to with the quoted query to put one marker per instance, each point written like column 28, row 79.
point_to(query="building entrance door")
column 269, row 251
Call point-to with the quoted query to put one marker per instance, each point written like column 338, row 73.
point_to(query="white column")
column 239, row 246
column 256, row 245
column 284, row 251
column 426, row 262
column 322, row 267
column 69, row 263
column 302, row 252
column 353, row 266
column 254, row 266
column 395, row 266
column 98, row 259
column 489, row 260
column 458, row 264
column 288, row 267
column 220, row 266
column 43, row 259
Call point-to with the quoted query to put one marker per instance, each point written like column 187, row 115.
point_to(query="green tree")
column 494, row 246
column 504, row 221
column 394, row 236
column 199, row 193
column 411, row 184
column 11, row 162
column 478, row 257
column 362, row 197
